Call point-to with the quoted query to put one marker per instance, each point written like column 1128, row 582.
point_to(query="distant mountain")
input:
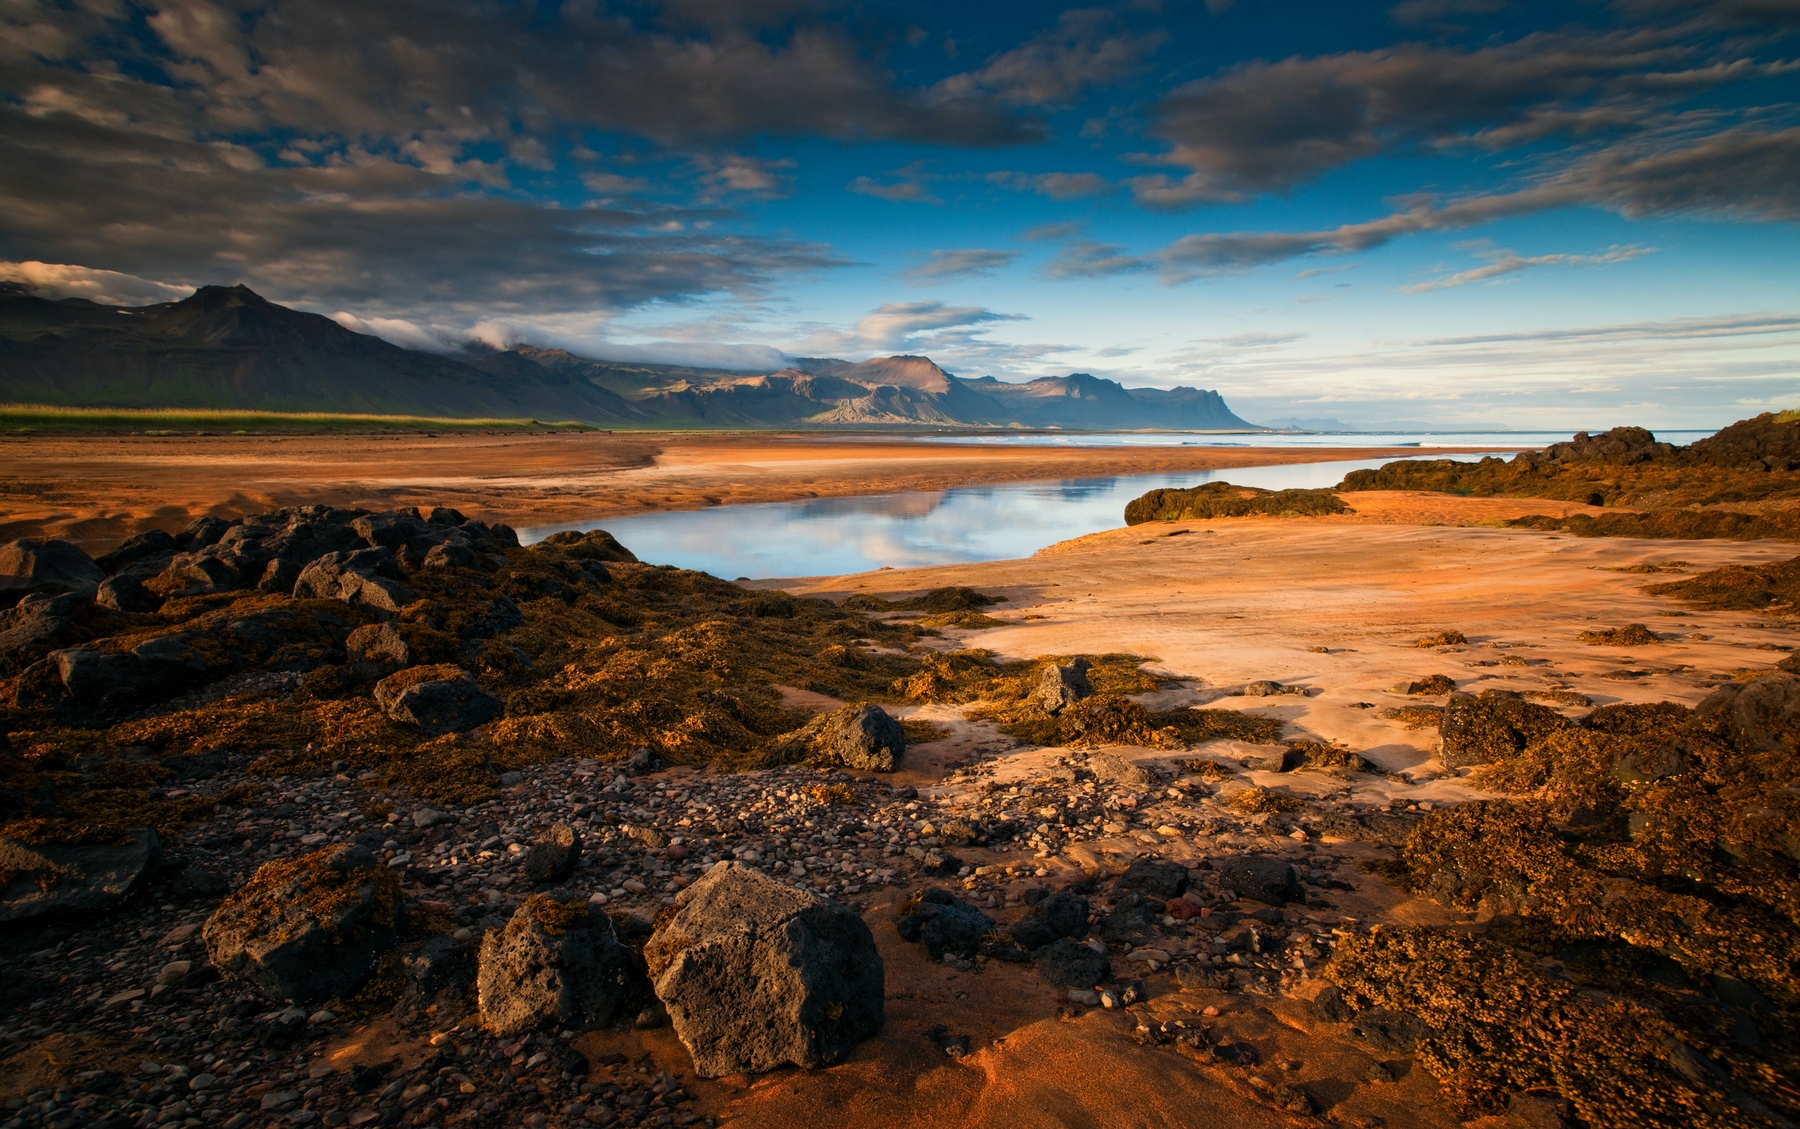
column 1326, row 423
column 227, row 347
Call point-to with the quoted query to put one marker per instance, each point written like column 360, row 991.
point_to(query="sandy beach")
column 96, row 491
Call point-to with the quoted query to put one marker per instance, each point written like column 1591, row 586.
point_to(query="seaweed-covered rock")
column 556, row 963
column 757, row 975
column 379, row 644
column 1071, row 964
column 553, row 857
column 1430, row 684
column 865, row 738
column 1061, row 686
column 1054, row 917
column 45, row 881
column 46, row 566
column 1496, row 725
column 944, row 923
column 1260, row 877
column 310, row 928
column 594, row 545
column 437, row 699
column 1758, row 716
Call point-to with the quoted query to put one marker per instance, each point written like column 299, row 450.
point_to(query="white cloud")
column 1502, row 262
column 106, row 287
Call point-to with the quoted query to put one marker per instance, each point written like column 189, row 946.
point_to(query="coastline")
column 96, row 491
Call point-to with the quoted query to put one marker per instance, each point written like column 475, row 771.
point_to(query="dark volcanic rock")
column 1061, row 686
column 557, row 963
column 1760, row 716
column 51, row 881
column 944, row 923
column 437, row 699
column 758, row 975
column 126, row 593
column 1265, row 879
column 28, row 630
column 307, row 929
column 865, row 738
column 1071, row 964
column 1058, row 915
column 553, row 857
column 350, row 577
column 50, row 567
column 1162, row 880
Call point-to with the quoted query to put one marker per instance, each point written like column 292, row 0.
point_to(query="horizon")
column 1485, row 215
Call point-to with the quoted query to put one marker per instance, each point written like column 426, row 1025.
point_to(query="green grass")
column 176, row 421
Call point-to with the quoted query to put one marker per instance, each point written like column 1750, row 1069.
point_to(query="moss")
column 558, row 915
column 921, row 732
column 1256, row 801
column 1207, row 769
column 834, row 794
column 322, row 890
column 1676, row 525
column 940, row 600
column 1631, row 635
column 972, row 621
column 1415, row 717
column 1222, row 499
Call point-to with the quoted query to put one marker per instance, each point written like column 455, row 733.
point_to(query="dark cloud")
column 1056, row 185
column 969, row 262
column 1268, row 126
column 1085, row 49
column 1051, row 231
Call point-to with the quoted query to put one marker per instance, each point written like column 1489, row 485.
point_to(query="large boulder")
column 49, row 567
column 437, row 699
column 351, row 577
column 553, row 857
column 594, row 545
column 1115, row 769
column 1158, row 879
column 46, row 881
column 1071, row 964
column 1054, row 917
column 1260, row 877
column 1061, row 686
column 864, row 738
column 944, row 923
column 308, row 929
column 757, row 975
column 1759, row 716
column 30, row 629
column 196, row 574
column 556, row 963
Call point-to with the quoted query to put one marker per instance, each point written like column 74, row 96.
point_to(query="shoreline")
column 97, row 491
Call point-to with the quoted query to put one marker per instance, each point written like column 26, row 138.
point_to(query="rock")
column 310, row 928
column 1760, row 716
column 36, row 624
column 126, row 594
column 1276, row 761
column 436, row 699
column 1071, row 964
column 1263, row 688
column 865, row 738
column 1058, row 915
column 1115, row 769
column 944, row 923
column 202, row 532
column 1434, row 684
column 594, row 545
column 380, row 644
column 196, row 882
column 195, row 574
column 1260, row 877
column 55, row 880
column 556, row 963
column 350, row 577
column 1061, row 686
column 389, row 530
column 553, row 857
column 430, row 817
column 757, row 975
column 641, row 761
column 1159, row 880
column 150, row 543
column 48, row 567
column 278, row 578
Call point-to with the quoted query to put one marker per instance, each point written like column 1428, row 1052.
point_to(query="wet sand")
column 98, row 490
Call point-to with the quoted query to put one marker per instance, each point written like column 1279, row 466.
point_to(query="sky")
column 1462, row 213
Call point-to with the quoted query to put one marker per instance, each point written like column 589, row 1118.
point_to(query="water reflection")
column 829, row 536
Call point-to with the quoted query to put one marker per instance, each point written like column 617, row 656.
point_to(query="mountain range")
column 228, row 347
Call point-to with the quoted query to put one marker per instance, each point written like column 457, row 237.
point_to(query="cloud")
column 1083, row 50
column 966, row 263
column 1740, row 174
column 1669, row 329
column 1502, row 262
column 411, row 335
column 898, row 326
column 751, row 176
column 905, row 185
column 1437, row 11
column 1087, row 259
column 1260, row 127
column 1051, row 231
column 1056, row 185
column 612, row 184
column 105, row 287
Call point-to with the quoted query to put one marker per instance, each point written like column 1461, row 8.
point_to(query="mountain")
column 227, row 347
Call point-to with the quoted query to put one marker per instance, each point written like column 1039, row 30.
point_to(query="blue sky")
column 1464, row 212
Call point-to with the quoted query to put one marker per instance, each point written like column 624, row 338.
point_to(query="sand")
column 97, row 490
